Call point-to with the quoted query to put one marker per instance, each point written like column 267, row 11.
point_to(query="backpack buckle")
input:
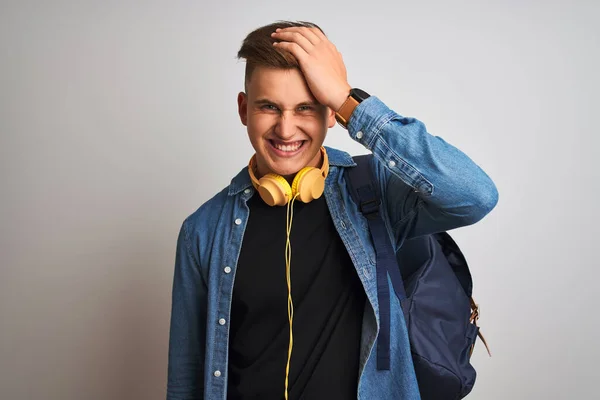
column 370, row 207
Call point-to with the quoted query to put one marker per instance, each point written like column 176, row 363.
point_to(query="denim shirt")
column 426, row 184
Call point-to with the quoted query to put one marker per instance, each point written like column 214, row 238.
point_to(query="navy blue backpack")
column 431, row 278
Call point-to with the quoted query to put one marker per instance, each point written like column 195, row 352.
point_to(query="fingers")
column 298, row 38
column 293, row 48
column 308, row 33
column 300, row 41
column 319, row 34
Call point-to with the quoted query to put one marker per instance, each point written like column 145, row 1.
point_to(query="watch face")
column 359, row 94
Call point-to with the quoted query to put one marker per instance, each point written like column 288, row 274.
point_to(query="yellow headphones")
column 308, row 184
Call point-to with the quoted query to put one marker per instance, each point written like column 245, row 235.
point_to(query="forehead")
column 283, row 85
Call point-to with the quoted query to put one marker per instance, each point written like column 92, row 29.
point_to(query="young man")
column 240, row 295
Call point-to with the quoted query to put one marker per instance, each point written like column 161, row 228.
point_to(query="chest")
column 317, row 253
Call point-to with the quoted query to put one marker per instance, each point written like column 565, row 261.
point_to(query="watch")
column 355, row 97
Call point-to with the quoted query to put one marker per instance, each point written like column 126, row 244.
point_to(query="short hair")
column 258, row 50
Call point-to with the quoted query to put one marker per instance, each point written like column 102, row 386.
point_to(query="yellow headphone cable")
column 288, row 268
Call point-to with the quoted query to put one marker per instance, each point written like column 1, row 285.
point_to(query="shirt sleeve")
column 427, row 184
column 188, row 325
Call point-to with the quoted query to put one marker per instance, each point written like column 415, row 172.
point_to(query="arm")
column 428, row 185
column 188, row 325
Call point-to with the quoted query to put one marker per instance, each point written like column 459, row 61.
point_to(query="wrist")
column 355, row 97
column 340, row 98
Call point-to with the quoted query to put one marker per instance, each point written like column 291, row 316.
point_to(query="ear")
column 242, row 101
column 331, row 121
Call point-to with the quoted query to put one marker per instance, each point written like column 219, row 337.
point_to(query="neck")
column 316, row 162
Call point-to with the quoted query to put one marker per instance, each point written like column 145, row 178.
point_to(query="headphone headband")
column 308, row 184
column 252, row 166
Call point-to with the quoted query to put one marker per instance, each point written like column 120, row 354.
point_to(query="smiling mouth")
column 287, row 147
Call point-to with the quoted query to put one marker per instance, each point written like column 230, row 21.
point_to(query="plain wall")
column 119, row 119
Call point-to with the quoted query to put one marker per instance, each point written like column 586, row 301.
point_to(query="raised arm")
column 428, row 184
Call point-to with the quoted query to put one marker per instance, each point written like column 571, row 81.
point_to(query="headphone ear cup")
column 274, row 190
column 308, row 184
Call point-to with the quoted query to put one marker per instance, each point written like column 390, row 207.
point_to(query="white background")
column 118, row 119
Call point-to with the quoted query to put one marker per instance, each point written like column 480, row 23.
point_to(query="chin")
column 288, row 167
column 288, row 170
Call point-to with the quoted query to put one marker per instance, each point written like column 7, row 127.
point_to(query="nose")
column 286, row 126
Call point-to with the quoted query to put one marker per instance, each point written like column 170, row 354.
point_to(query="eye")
column 305, row 108
column 268, row 107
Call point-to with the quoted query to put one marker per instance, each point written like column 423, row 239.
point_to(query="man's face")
column 286, row 125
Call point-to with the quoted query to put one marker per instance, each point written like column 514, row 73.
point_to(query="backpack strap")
column 365, row 194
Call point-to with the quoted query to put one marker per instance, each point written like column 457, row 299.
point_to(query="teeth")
column 287, row 147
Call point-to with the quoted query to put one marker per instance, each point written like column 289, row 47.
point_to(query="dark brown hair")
column 258, row 50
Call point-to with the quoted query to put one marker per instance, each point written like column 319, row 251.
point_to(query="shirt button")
column 392, row 164
column 238, row 221
column 227, row 270
column 247, row 191
column 343, row 224
column 359, row 135
column 217, row 373
column 222, row 321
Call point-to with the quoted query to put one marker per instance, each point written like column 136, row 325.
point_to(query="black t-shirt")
column 328, row 301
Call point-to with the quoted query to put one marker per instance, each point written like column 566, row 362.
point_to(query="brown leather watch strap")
column 345, row 112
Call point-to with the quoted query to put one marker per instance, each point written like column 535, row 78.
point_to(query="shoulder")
column 338, row 158
column 208, row 210
column 205, row 220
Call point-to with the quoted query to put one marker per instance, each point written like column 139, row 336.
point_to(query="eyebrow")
column 263, row 101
